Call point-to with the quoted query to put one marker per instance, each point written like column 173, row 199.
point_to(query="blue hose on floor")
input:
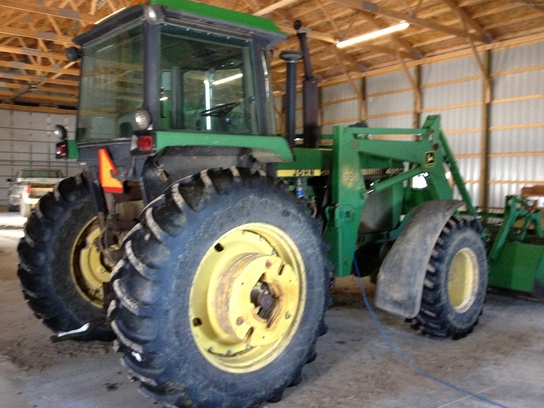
column 392, row 345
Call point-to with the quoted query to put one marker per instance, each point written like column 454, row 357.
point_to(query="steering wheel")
column 220, row 110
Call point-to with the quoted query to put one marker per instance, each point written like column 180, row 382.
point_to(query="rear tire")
column 60, row 267
column 455, row 283
column 222, row 292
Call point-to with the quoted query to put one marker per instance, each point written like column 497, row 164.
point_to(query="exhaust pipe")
column 291, row 58
column 310, row 92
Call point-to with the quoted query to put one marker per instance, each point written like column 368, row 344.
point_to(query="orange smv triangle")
column 106, row 170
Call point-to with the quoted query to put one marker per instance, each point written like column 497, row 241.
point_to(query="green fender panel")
column 400, row 281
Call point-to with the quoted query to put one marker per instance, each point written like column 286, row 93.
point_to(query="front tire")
column 61, row 268
column 222, row 293
column 455, row 283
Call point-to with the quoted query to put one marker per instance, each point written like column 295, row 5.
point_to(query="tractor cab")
column 173, row 67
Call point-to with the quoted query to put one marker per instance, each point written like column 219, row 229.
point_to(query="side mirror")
column 73, row 53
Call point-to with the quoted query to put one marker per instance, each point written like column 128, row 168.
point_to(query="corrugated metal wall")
column 27, row 140
column 389, row 101
column 516, row 121
column 339, row 105
column 455, row 90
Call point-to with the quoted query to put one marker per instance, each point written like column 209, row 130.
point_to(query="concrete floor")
column 503, row 360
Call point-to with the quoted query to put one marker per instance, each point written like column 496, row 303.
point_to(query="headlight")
column 142, row 118
column 60, row 132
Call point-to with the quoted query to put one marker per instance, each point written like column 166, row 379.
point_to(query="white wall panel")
column 27, row 140
column 516, row 140
column 328, row 129
column 398, row 121
column 396, row 102
column 348, row 110
column 458, row 119
column 464, row 143
column 519, row 57
column 5, row 119
column 388, row 82
column 449, row 70
column 339, row 92
column 452, row 94
column 518, row 84
column 517, row 112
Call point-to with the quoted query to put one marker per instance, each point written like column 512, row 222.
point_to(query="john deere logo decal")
column 430, row 159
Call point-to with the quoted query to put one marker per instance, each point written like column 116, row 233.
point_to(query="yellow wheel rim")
column 463, row 280
column 247, row 297
column 89, row 269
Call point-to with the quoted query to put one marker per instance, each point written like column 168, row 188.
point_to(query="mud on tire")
column 201, row 315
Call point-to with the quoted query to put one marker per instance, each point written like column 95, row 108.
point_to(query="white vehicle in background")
column 29, row 185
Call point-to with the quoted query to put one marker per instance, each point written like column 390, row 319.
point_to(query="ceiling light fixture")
column 227, row 79
column 375, row 34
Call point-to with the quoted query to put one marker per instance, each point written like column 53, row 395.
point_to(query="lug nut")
column 239, row 321
column 268, row 264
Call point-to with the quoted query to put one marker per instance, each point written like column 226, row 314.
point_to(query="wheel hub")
column 245, row 312
column 247, row 297
column 89, row 268
column 463, row 280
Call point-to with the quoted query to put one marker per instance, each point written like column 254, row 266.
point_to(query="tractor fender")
column 400, row 281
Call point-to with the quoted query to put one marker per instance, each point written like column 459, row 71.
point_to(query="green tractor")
column 206, row 243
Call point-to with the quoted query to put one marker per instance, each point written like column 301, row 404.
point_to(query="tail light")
column 142, row 143
column 62, row 146
column 27, row 189
column 62, row 150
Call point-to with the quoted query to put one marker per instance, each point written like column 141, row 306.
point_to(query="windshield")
column 207, row 83
column 111, row 86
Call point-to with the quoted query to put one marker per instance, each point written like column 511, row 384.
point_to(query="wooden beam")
column 273, row 7
column 33, row 52
column 40, row 35
column 348, row 75
column 464, row 16
column 481, row 65
column 42, row 109
column 39, row 68
column 484, row 140
column 33, row 79
column 48, row 11
column 310, row 34
column 379, row 10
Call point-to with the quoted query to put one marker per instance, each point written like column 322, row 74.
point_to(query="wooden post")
column 484, row 141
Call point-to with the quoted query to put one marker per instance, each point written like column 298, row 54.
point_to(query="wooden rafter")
column 275, row 6
column 39, row 35
column 33, row 34
column 464, row 16
column 48, row 11
column 379, row 10
column 23, row 50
